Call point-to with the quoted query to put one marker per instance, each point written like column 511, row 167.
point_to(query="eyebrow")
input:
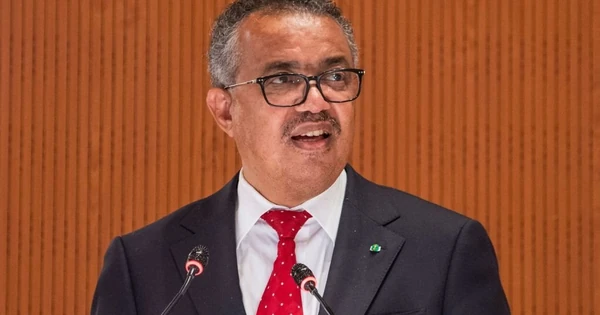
column 281, row 65
column 295, row 65
column 334, row 61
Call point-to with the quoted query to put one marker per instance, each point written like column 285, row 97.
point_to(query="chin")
column 317, row 170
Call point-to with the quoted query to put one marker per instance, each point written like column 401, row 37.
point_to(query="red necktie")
column 282, row 294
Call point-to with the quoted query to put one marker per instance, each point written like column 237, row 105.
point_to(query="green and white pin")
column 375, row 248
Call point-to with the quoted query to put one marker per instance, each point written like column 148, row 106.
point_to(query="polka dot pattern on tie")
column 282, row 294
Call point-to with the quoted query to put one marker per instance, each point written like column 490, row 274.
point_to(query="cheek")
column 256, row 132
column 245, row 127
column 346, row 118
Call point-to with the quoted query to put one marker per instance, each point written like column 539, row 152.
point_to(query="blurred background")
column 490, row 108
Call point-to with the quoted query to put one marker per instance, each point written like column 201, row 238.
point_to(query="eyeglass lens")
column 290, row 89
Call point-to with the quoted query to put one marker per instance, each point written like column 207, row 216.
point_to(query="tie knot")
column 285, row 222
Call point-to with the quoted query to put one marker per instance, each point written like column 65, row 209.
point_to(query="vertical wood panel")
column 55, row 234
column 151, row 86
column 5, row 175
column 537, row 161
column 29, row 186
column 592, row 40
column 69, row 146
column 486, row 107
column 15, row 154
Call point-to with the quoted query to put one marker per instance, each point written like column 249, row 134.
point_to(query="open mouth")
column 314, row 140
column 312, row 136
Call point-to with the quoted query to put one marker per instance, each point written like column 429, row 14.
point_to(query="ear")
column 219, row 104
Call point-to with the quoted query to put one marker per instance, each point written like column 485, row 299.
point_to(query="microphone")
column 196, row 261
column 306, row 280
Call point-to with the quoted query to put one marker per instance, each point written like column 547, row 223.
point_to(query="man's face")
column 301, row 148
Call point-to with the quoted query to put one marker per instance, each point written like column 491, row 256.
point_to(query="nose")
column 315, row 103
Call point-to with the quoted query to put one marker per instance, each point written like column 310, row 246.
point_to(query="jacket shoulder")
column 414, row 214
column 163, row 231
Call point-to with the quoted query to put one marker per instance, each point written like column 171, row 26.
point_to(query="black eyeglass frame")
column 317, row 78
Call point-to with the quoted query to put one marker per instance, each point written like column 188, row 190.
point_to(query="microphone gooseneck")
column 196, row 261
column 304, row 277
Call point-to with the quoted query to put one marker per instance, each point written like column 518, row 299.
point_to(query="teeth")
column 315, row 133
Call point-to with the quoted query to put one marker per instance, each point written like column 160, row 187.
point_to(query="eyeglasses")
column 291, row 89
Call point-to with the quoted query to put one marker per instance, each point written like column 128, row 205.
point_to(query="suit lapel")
column 217, row 290
column 356, row 273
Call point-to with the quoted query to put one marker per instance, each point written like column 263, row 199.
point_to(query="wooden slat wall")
column 490, row 108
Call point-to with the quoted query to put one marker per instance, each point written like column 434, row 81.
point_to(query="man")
column 285, row 75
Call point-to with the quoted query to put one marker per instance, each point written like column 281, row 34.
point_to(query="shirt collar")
column 326, row 207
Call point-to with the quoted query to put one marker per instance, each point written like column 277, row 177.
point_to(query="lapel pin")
column 375, row 248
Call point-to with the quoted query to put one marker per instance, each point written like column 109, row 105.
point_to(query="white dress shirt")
column 257, row 240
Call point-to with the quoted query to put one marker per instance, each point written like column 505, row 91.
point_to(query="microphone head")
column 303, row 277
column 199, row 253
column 198, row 258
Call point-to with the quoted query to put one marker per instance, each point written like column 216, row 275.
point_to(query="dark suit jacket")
column 433, row 261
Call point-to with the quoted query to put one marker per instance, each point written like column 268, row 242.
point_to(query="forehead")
column 297, row 41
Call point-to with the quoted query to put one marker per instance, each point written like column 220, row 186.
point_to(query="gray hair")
column 223, row 54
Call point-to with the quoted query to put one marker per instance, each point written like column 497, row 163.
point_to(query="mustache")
column 304, row 117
